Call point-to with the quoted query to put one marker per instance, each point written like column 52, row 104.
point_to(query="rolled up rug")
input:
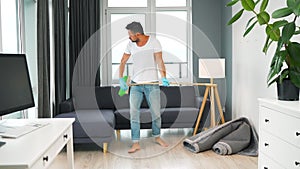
column 207, row 139
column 234, row 142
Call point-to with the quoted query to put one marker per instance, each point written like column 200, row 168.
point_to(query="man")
column 146, row 53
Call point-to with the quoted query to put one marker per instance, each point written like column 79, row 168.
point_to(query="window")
column 171, row 3
column 9, row 34
column 168, row 20
column 120, row 39
column 12, row 39
column 174, row 39
column 127, row 3
column 9, row 31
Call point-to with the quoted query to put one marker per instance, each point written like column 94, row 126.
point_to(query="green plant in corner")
column 280, row 31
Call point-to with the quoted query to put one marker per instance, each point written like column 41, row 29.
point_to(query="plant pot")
column 287, row 91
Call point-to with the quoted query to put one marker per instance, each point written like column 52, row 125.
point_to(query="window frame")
column 150, row 11
column 20, row 34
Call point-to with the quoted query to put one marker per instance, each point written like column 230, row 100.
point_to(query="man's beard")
column 134, row 41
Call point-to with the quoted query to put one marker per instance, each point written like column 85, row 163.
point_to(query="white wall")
column 250, row 66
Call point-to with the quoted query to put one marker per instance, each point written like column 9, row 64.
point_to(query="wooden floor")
column 152, row 156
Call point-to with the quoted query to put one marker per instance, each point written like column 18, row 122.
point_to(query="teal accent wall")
column 226, row 51
column 212, row 39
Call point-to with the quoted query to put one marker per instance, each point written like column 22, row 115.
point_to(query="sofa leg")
column 118, row 134
column 105, row 145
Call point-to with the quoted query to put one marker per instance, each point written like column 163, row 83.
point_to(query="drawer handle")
column 267, row 120
column 266, row 144
column 297, row 163
column 45, row 158
column 297, row 133
column 265, row 167
column 66, row 136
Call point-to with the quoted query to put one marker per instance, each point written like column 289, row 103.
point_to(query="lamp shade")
column 212, row 68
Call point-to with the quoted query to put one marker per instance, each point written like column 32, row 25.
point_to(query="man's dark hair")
column 135, row 27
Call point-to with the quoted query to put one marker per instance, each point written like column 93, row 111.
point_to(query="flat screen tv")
column 15, row 86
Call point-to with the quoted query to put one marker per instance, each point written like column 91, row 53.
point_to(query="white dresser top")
column 291, row 108
column 25, row 150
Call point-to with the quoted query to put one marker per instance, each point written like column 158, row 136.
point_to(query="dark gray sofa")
column 98, row 111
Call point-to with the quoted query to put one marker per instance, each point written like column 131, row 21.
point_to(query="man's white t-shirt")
column 144, row 65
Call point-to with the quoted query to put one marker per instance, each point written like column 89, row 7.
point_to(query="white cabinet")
column 37, row 149
column 279, row 134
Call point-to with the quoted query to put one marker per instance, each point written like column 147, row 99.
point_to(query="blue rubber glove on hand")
column 123, row 84
column 165, row 81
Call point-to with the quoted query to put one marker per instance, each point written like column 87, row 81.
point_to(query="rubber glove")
column 123, row 84
column 165, row 81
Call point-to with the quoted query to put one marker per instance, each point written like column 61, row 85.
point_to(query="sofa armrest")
column 66, row 106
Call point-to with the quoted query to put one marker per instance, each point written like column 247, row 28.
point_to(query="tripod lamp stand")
column 211, row 69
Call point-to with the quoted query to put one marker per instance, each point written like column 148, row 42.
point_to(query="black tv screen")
column 15, row 86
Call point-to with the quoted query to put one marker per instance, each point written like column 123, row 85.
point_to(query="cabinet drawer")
column 281, row 125
column 47, row 158
column 280, row 151
column 264, row 162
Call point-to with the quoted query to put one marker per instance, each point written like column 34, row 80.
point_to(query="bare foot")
column 161, row 142
column 135, row 147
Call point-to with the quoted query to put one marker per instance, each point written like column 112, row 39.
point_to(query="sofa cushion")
column 120, row 102
column 89, row 123
column 123, row 115
column 66, row 106
column 168, row 115
column 179, row 115
column 87, row 98
column 175, row 96
column 104, row 97
column 171, row 96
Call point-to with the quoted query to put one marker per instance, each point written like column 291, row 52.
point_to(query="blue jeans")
column 152, row 93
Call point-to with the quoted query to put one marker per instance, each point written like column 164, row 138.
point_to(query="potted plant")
column 285, row 65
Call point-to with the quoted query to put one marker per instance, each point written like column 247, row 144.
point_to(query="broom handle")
column 173, row 83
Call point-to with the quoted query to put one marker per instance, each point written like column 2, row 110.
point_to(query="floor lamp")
column 211, row 69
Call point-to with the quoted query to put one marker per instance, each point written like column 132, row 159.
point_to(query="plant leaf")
column 269, row 83
column 273, row 33
column 263, row 18
column 264, row 5
column 279, row 61
column 282, row 12
column 295, row 76
column 297, row 32
column 248, row 5
column 290, row 3
column 276, row 64
column 249, row 29
column 283, row 75
column 288, row 31
column 267, row 44
column 231, row 3
column 296, row 8
column 279, row 44
column 294, row 52
column 279, row 24
column 235, row 17
column 250, row 20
